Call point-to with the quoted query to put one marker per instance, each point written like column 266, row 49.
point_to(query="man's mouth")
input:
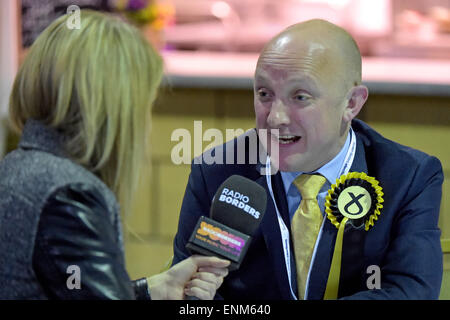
column 288, row 139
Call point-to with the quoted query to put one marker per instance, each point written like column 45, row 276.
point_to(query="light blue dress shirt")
column 330, row 171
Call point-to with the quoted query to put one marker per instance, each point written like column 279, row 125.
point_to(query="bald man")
column 373, row 233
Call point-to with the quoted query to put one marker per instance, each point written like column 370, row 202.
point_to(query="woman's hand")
column 198, row 276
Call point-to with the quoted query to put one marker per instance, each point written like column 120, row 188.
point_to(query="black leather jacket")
column 74, row 230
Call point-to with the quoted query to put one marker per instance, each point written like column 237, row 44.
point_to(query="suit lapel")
column 272, row 234
column 324, row 253
column 352, row 263
column 359, row 163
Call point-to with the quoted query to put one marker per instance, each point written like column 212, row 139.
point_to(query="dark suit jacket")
column 404, row 242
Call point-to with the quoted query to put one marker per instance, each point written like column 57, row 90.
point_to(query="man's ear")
column 356, row 98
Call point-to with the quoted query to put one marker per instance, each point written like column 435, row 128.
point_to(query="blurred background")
column 210, row 49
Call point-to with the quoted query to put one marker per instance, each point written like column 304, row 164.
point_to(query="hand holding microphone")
column 237, row 210
column 197, row 276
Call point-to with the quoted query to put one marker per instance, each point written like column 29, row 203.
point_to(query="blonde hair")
column 96, row 86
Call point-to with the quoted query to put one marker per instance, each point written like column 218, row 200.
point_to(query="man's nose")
column 278, row 115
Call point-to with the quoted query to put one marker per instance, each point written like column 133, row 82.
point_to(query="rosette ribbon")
column 356, row 200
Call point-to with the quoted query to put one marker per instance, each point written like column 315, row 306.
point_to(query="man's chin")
column 294, row 165
column 288, row 166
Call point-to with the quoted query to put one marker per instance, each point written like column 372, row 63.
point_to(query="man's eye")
column 301, row 97
column 262, row 93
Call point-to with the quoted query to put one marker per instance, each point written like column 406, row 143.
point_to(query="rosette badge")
column 356, row 197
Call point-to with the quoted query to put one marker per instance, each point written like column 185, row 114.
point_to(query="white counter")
column 235, row 71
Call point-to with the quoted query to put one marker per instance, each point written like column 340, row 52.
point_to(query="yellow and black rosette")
column 355, row 198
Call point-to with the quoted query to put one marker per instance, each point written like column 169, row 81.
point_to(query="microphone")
column 237, row 210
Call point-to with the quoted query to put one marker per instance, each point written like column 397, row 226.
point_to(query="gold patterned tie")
column 305, row 225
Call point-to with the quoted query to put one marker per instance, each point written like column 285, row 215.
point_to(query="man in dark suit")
column 373, row 233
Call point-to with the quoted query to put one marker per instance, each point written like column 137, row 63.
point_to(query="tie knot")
column 309, row 185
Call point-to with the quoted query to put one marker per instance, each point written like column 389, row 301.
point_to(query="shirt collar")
column 329, row 170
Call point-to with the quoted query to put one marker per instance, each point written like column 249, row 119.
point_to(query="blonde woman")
column 82, row 102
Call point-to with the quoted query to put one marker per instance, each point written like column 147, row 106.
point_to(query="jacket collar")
column 272, row 236
column 36, row 135
column 321, row 265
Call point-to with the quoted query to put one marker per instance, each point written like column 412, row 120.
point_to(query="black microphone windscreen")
column 239, row 203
